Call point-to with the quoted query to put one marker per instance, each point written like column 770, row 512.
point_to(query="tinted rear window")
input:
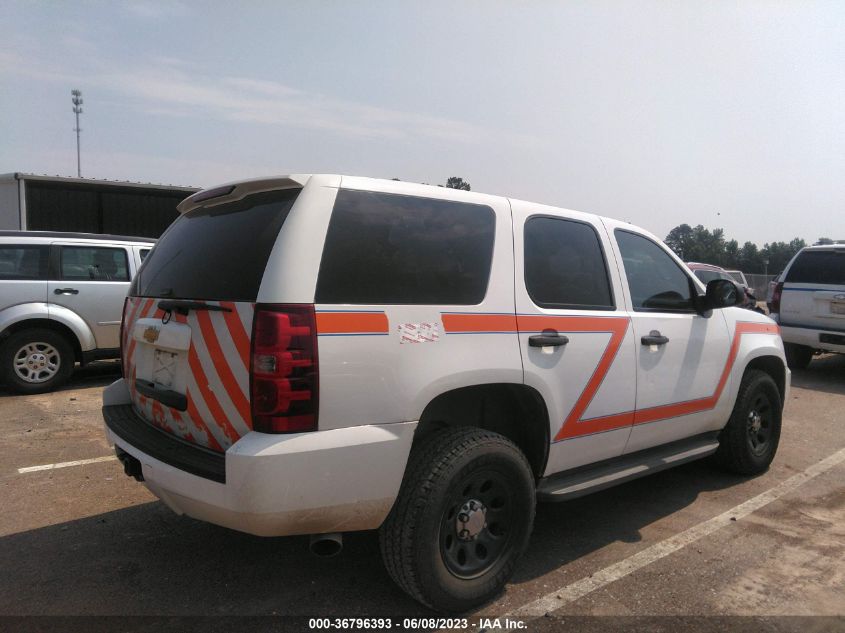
column 818, row 267
column 216, row 252
column 24, row 262
column 564, row 265
column 393, row 249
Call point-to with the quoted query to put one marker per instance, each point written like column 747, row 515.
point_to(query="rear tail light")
column 284, row 374
column 774, row 306
column 122, row 327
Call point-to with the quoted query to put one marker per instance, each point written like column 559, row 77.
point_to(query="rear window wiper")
column 183, row 307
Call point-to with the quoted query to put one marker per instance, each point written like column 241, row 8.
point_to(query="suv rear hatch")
column 813, row 292
column 188, row 320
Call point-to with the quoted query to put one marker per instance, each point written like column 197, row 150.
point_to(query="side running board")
column 575, row 483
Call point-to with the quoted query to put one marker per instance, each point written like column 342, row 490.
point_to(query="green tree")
column 456, row 182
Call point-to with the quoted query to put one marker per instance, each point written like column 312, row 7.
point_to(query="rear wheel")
column 462, row 519
column 749, row 441
column 35, row 361
column 797, row 356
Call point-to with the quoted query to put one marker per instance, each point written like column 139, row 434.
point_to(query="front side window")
column 655, row 280
column 24, row 262
column 92, row 263
column 565, row 265
column 394, row 249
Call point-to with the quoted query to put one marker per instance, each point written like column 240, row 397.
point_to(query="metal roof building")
column 56, row 203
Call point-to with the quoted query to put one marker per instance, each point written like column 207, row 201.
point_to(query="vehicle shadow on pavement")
column 145, row 560
column 96, row 374
column 564, row 532
column 825, row 373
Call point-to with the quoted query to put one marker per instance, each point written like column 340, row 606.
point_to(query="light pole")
column 76, row 97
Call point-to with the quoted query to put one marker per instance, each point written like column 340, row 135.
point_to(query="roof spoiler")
column 230, row 192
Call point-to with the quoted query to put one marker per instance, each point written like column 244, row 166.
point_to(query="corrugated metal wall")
column 91, row 209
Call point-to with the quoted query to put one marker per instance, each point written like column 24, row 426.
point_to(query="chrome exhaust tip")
column 326, row 545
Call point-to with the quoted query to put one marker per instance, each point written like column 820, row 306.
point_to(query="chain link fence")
column 759, row 284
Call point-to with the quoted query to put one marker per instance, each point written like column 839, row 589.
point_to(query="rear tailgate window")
column 217, row 252
column 819, row 267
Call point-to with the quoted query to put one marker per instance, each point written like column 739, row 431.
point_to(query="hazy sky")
column 728, row 114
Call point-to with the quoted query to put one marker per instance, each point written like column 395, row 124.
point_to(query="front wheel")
column 462, row 519
column 749, row 441
column 35, row 361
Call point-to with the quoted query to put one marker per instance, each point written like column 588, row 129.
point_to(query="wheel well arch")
column 45, row 324
column 774, row 366
column 514, row 410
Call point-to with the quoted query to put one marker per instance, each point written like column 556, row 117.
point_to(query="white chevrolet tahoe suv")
column 61, row 296
column 319, row 354
column 808, row 301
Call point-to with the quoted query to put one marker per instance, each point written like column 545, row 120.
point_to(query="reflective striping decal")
column 617, row 327
column 468, row 323
column 335, row 323
column 574, row 425
column 240, row 337
column 209, row 399
column 216, row 370
column 663, row 412
column 220, row 366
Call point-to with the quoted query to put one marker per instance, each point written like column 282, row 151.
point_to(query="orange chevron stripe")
column 209, row 398
column 236, row 330
column 221, row 366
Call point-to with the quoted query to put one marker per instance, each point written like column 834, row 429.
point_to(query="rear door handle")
column 547, row 340
column 65, row 291
column 654, row 338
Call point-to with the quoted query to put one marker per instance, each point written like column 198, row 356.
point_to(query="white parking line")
column 570, row 593
column 79, row 462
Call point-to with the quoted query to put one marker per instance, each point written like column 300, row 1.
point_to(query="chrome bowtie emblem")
column 151, row 334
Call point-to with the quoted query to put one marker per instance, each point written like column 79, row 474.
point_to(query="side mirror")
column 721, row 293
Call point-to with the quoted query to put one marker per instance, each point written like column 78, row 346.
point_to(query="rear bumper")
column 817, row 338
column 277, row 485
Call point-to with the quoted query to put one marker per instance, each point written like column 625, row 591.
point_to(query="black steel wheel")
column 749, row 441
column 462, row 519
column 475, row 530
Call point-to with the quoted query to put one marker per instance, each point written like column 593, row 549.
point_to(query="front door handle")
column 65, row 291
column 654, row 338
column 547, row 339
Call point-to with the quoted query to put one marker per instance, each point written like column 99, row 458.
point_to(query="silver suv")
column 61, row 296
column 809, row 303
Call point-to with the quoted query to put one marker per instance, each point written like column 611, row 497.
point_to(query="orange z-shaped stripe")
column 574, row 426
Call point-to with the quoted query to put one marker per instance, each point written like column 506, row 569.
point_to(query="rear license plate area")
column 165, row 365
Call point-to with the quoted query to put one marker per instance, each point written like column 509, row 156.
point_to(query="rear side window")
column 144, row 252
column 655, row 281
column 565, row 265
column 393, row 249
column 217, row 252
column 24, row 262
column 85, row 263
column 818, row 267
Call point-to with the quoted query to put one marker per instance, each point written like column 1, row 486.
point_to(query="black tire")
column 749, row 441
column 48, row 363
column 797, row 356
column 467, row 472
